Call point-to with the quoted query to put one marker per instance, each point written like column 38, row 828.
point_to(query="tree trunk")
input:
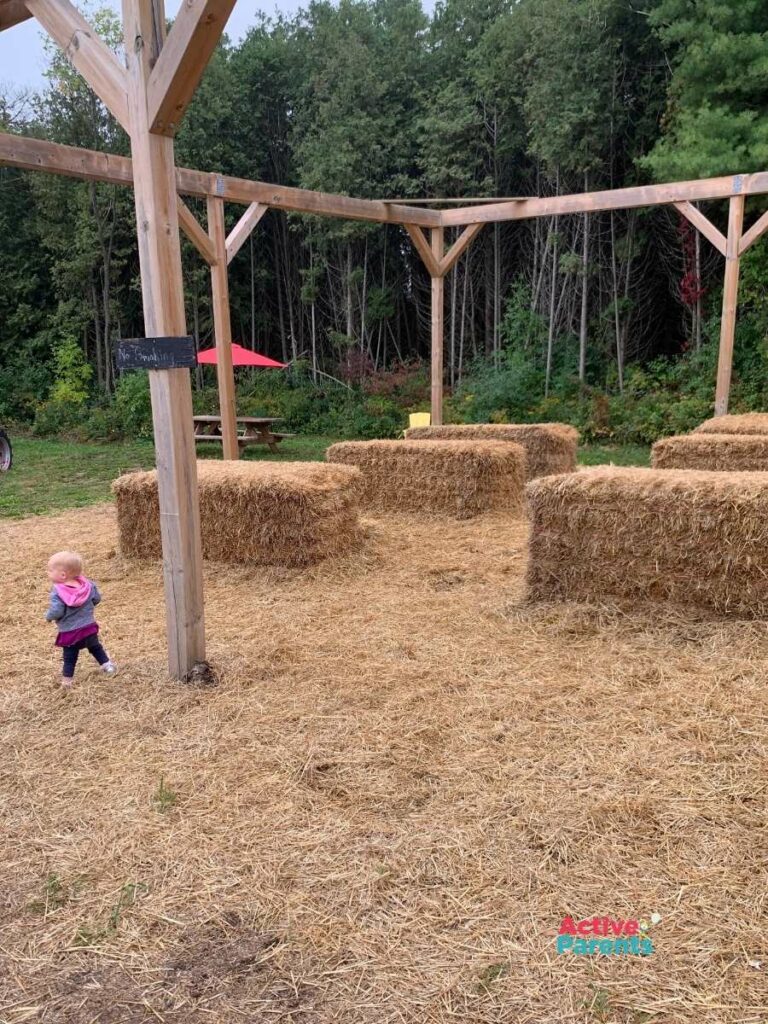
column 348, row 283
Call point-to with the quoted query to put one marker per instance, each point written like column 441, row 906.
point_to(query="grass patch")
column 49, row 476
column 613, row 454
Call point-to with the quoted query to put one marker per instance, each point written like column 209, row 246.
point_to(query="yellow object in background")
column 419, row 419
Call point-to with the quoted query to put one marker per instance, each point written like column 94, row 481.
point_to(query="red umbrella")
column 240, row 357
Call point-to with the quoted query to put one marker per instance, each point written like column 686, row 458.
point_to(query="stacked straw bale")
column 748, row 423
column 549, row 447
column 684, row 537
column 723, row 452
column 455, row 478
column 259, row 513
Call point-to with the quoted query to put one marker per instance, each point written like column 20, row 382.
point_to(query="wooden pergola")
column 149, row 97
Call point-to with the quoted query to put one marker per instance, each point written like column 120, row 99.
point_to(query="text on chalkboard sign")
column 156, row 354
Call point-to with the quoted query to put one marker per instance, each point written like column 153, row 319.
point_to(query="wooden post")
column 438, row 288
column 730, row 298
column 162, row 292
column 222, row 326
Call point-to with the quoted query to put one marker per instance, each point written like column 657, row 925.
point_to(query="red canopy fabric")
column 240, row 357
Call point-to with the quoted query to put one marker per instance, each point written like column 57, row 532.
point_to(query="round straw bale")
column 549, row 447
column 251, row 512
column 722, row 452
column 679, row 536
column 456, row 478
column 745, row 423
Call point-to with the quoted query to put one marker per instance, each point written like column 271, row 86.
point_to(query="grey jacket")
column 67, row 618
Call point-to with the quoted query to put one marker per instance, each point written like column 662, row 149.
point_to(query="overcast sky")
column 22, row 59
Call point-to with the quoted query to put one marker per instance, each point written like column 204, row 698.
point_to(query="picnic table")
column 250, row 430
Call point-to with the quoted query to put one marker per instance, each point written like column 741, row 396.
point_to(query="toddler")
column 71, row 607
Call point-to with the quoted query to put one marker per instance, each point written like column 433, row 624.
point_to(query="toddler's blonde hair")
column 68, row 560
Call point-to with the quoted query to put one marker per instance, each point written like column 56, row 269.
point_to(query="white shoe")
column 109, row 668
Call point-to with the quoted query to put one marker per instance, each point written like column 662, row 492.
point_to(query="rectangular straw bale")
column 745, row 423
column 722, row 452
column 251, row 512
column 683, row 537
column 455, row 478
column 549, row 447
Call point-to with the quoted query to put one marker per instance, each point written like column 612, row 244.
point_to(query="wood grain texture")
column 730, row 300
column 462, row 243
column 157, row 222
column 242, row 230
column 12, row 12
column 611, row 199
column 438, row 295
column 86, row 51
column 191, row 41
column 703, row 224
column 756, row 232
column 222, row 326
column 423, row 248
column 195, row 232
column 90, row 165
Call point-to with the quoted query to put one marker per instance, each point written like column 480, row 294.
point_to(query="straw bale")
column 744, row 423
column 251, row 512
column 402, row 784
column 549, row 447
column 723, row 452
column 680, row 536
column 457, row 478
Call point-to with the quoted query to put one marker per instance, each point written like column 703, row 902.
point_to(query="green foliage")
column 718, row 95
column 133, row 406
column 73, row 374
column 164, row 798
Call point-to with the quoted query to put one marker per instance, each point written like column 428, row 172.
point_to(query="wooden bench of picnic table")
column 250, row 430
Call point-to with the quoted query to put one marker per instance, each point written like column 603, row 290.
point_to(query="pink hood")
column 74, row 594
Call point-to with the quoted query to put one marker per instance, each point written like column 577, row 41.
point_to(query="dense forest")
column 609, row 321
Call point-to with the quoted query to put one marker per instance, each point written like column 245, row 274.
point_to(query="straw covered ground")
column 683, row 537
column 456, row 478
column 744, row 423
column 719, row 452
column 251, row 512
column 549, row 447
column 401, row 784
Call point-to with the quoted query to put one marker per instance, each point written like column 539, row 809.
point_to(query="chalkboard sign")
column 155, row 354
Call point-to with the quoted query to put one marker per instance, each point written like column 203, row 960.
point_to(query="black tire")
column 6, row 452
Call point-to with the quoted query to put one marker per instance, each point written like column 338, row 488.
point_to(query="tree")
column 716, row 120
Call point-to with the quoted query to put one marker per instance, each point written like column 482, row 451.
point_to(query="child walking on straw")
column 72, row 601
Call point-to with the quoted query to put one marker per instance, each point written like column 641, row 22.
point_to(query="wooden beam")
column 222, row 326
column 324, row 204
column 90, row 165
column 465, row 239
column 241, row 231
column 422, row 247
column 611, row 199
column 193, row 37
column 194, row 231
column 703, row 224
column 163, row 296
column 86, row 51
column 438, row 294
column 756, row 232
column 12, row 12
column 730, row 300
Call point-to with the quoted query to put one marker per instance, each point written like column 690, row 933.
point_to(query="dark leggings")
column 92, row 644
